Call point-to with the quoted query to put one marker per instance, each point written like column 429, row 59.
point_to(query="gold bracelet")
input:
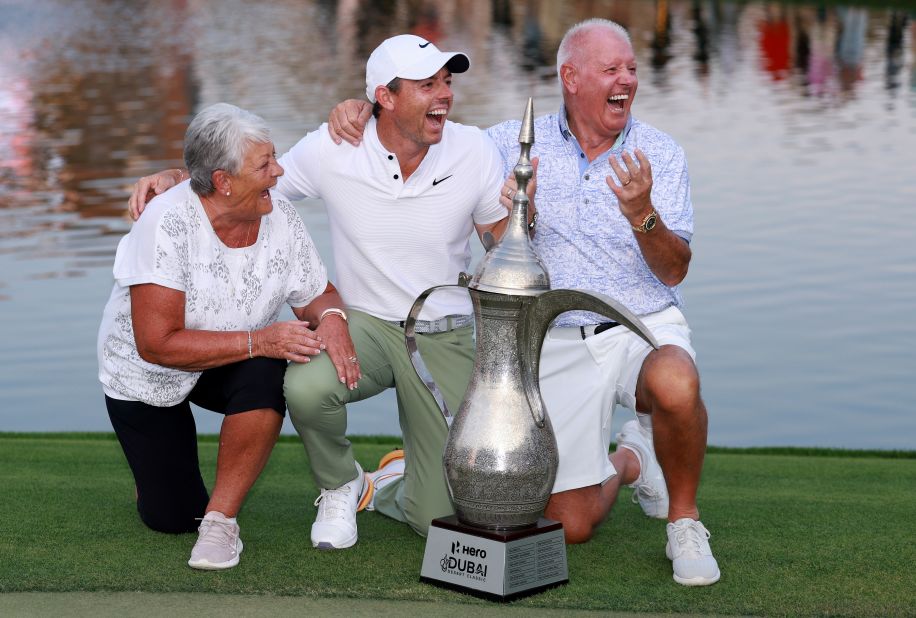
column 249, row 345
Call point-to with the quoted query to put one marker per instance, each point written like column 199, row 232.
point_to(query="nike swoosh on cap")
column 422, row 45
column 435, row 181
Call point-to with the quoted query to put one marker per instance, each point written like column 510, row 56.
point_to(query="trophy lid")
column 512, row 266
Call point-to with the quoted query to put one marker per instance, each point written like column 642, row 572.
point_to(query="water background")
column 798, row 119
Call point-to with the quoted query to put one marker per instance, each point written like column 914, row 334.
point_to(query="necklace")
column 248, row 233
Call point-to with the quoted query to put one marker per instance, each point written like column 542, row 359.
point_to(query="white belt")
column 442, row 325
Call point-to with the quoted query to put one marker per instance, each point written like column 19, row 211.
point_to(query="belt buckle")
column 590, row 330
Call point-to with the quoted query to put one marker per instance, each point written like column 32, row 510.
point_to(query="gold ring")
column 509, row 192
column 629, row 180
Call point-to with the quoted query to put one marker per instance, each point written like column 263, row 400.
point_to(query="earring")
column 227, row 193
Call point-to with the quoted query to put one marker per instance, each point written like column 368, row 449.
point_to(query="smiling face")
column 419, row 108
column 599, row 83
column 259, row 172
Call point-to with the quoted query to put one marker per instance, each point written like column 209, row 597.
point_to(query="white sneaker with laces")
column 335, row 525
column 650, row 489
column 218, row 544
column 690, row 554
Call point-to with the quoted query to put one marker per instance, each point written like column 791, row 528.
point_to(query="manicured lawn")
column 795, row 532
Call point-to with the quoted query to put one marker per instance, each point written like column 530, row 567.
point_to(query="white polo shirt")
column 393, row 239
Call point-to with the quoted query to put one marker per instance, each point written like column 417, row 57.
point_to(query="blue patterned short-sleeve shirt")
column 583, row 239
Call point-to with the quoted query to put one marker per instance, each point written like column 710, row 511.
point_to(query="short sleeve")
column 156, row 249
column 308, row 275
column 671, row 194
column 489, row 210
column 505, row 136
column 302, row 167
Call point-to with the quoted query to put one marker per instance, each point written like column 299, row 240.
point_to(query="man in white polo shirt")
column 401, row 208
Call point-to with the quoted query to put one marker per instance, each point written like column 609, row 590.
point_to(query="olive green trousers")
column 317, row 405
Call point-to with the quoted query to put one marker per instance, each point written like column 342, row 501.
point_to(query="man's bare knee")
column 575, row 509
column 578, row 531
column 669, row 381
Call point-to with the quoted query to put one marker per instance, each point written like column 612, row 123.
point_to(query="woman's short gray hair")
column 217, row 139
column 569, row 43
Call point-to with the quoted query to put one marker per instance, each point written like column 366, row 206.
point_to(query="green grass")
column 799, row 533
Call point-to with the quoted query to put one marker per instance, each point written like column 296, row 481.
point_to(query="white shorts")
column 583, row 380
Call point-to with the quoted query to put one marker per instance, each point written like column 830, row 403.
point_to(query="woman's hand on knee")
column 292, row 341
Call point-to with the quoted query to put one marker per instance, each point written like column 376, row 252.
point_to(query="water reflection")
column 798, row 121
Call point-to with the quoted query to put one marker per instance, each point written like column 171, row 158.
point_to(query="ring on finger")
column 353, row 360
column 629, row 180
column 509, row 192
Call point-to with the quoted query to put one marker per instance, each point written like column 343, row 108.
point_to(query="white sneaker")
column 218, row 544
column 335, row 525
column 390, row 468
column 690, row 555
column 650, row 489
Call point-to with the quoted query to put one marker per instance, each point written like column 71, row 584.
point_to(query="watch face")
column 650, row 222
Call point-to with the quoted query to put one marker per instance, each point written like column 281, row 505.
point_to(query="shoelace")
column 218, row 532
column 693, row 538
column 333, row 503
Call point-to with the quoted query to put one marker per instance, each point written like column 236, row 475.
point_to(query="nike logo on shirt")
column 435, row 181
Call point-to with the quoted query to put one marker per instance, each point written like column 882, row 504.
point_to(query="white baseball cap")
column 409, row 57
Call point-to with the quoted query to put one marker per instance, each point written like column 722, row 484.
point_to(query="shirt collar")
column 563, row 124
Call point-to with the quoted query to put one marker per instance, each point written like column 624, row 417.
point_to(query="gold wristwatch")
column 647, row 224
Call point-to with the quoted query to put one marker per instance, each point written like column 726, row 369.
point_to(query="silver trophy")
column 501, row 457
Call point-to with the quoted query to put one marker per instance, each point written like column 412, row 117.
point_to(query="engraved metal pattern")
column 500, row 464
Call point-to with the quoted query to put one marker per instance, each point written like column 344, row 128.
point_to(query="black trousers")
column 160, row 443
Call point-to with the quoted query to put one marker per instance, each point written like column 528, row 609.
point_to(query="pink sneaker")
column 218, row 544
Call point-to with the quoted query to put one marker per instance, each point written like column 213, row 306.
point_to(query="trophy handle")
column 537, row 319
column 414, row 353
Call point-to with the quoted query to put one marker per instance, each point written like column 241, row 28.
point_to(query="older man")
column 615, row 216
column 401, row 209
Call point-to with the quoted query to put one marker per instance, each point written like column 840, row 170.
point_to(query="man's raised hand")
column 347, row 121
column 149, row 187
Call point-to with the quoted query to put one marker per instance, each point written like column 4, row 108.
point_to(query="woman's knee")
column 169, row 523
column 174, row 515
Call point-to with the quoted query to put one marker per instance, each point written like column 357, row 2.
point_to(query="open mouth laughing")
column 618, row 101
column 437, row 117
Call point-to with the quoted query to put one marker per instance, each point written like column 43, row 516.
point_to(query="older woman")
column 193, row 317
